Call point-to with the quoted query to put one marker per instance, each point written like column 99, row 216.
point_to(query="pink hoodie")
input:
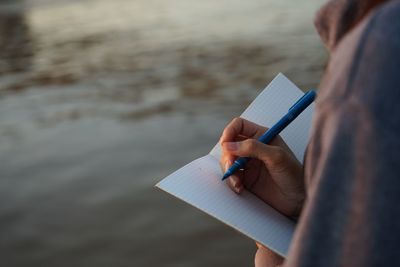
column 352, row 167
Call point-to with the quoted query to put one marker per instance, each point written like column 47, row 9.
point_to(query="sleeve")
column 352, row 213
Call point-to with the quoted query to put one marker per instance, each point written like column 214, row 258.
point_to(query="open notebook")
column 199, row 182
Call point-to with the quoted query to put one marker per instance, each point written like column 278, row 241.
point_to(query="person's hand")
column 273, row 173
column 267, row 258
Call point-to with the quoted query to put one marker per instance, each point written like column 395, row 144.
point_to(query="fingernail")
column 236, row 187
column 238, row 190
column 231, row 146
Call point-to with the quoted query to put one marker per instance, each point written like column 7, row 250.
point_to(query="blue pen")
column 272, row 132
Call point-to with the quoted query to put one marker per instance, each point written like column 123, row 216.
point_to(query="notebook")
column 199, row 182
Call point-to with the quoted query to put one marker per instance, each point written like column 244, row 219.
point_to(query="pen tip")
column 226, row 175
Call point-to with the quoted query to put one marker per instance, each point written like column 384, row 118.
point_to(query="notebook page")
column 270, row 105
column 199, row 184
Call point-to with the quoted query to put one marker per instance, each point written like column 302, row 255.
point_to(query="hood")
column 336, row 18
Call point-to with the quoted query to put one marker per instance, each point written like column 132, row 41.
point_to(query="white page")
column 199, row 182
column 270, row 105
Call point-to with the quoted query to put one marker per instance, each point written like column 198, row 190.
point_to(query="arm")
column 273, row 174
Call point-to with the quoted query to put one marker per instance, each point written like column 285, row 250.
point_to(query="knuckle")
column 227, row 129
column 236, row 120
column 251, row 145
column 231, row 126
column 224, row 132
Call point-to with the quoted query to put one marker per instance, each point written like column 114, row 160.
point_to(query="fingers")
column 259, row 245
column 266, row 257
column 240, row 126
column 226, row 161
column 234, row 181
column 273, row 156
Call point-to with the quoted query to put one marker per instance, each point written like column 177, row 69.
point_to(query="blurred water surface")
column 101, row 99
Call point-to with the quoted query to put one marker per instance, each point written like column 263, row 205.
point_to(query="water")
column 101, row 99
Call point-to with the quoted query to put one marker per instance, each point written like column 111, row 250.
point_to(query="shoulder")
column 381, row 28
column 366, row 61
column 386, row 19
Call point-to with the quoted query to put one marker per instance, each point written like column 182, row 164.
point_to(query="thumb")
column 273, row 156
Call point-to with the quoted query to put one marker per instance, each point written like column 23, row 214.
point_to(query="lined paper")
column 199, row 183
column 270, row 105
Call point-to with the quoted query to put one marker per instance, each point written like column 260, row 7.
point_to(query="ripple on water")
column 101, row 99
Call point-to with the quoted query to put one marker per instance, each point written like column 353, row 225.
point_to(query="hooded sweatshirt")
column 351, row 216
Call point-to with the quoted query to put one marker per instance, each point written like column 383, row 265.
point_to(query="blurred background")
column 100, row 99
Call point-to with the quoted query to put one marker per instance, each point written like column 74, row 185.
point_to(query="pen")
column 272, row 132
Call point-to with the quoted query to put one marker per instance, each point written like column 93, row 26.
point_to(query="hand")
column 273, row 173
column 267, row 258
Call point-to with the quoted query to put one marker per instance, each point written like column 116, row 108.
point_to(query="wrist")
column 298, row 206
